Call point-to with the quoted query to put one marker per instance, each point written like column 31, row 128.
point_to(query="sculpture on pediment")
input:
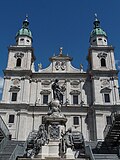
column 39, row 66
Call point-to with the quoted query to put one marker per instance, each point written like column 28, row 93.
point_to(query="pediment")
column 14, row 89
column 75, row 92
column 105, row 90
column 74, row 83
column 45, row 92
column 46, row 82
column 102, row 55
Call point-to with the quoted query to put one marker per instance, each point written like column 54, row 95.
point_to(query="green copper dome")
column 97, row 30
column 24, row 31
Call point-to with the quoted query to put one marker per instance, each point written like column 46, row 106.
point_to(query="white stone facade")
column 90, row 96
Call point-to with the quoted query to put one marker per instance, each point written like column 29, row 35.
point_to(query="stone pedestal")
column 55, row 124
column 69, row 154
column 53, row 149
column 44, row 152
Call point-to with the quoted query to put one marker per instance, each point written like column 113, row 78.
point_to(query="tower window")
column 28, row 40
column 14, row 97
column 75, row 99
column 75, row 120
column 21, row 39
column 45, row 99
column 94, row 40
column 107, row 98
column 18, row 63
column 99, row 39
column 103, row 62
column 11, row 118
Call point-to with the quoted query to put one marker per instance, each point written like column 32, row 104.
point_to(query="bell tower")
column 21, row 55
column 98, row 36
column 101, row 55
column 19, row 67
column 103, row 77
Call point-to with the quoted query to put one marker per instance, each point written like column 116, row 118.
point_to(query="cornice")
column 110, row 72
column 99, row 48
column 65, row 75
column 9, row 73
column 20, row 48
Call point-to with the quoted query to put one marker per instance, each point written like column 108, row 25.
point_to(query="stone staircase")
column 112, row 131
column 4, row 132
column 1, row 135
column 8, row 149
column 106, row 157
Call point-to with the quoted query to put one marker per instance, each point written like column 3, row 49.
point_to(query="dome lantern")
column 24, row 35
column 98, row 36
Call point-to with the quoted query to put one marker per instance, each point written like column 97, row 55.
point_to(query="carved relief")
column 102, row 55
column 18, row 55
column 57, row 65
column 60, row 65
column 105, row 83
column 63, row 65
column 54, row 131
column 16, row 81
column 74, row 84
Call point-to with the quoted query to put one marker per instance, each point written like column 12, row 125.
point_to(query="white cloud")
column 1, row 82
column 0, row 90
column 117, row 62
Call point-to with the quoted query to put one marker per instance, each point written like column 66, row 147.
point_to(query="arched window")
column 103, row 62
column 18, row 63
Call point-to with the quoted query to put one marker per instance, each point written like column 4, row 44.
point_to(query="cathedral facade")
column 89, row 97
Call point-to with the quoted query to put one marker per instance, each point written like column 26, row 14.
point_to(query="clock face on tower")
column 60, row 65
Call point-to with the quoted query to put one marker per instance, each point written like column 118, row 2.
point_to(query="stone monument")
column 52, row 141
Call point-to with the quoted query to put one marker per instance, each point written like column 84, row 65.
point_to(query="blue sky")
column 59, row 23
